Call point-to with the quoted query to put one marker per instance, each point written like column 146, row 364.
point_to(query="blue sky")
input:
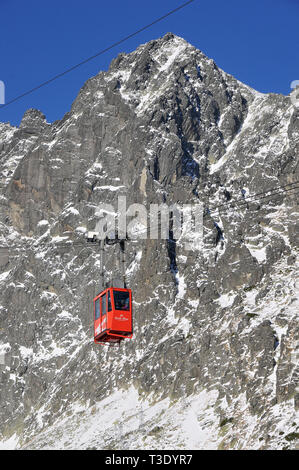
column 256, row 41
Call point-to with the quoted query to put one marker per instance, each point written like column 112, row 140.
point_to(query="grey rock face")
column 163, row 125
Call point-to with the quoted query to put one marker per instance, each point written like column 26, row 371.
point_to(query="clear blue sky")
column 256, row 41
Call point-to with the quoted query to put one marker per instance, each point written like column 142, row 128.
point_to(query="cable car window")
column 97, row 309
column 121, row 300
column 103, row 299
column 109, row 302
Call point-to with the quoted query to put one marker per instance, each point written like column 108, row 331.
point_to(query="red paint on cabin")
column 113, row 316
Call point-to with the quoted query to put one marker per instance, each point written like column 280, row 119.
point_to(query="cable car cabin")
column 113, row 316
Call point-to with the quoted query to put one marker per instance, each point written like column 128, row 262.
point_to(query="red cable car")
column 113, row 316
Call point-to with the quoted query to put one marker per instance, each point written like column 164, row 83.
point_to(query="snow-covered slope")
column 213, row 362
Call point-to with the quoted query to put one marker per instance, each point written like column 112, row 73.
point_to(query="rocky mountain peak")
column 33, row 122
column 215, row 330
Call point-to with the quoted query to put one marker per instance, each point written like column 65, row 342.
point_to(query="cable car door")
column 103, row 302
column 100, row 315
column 97, row 317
